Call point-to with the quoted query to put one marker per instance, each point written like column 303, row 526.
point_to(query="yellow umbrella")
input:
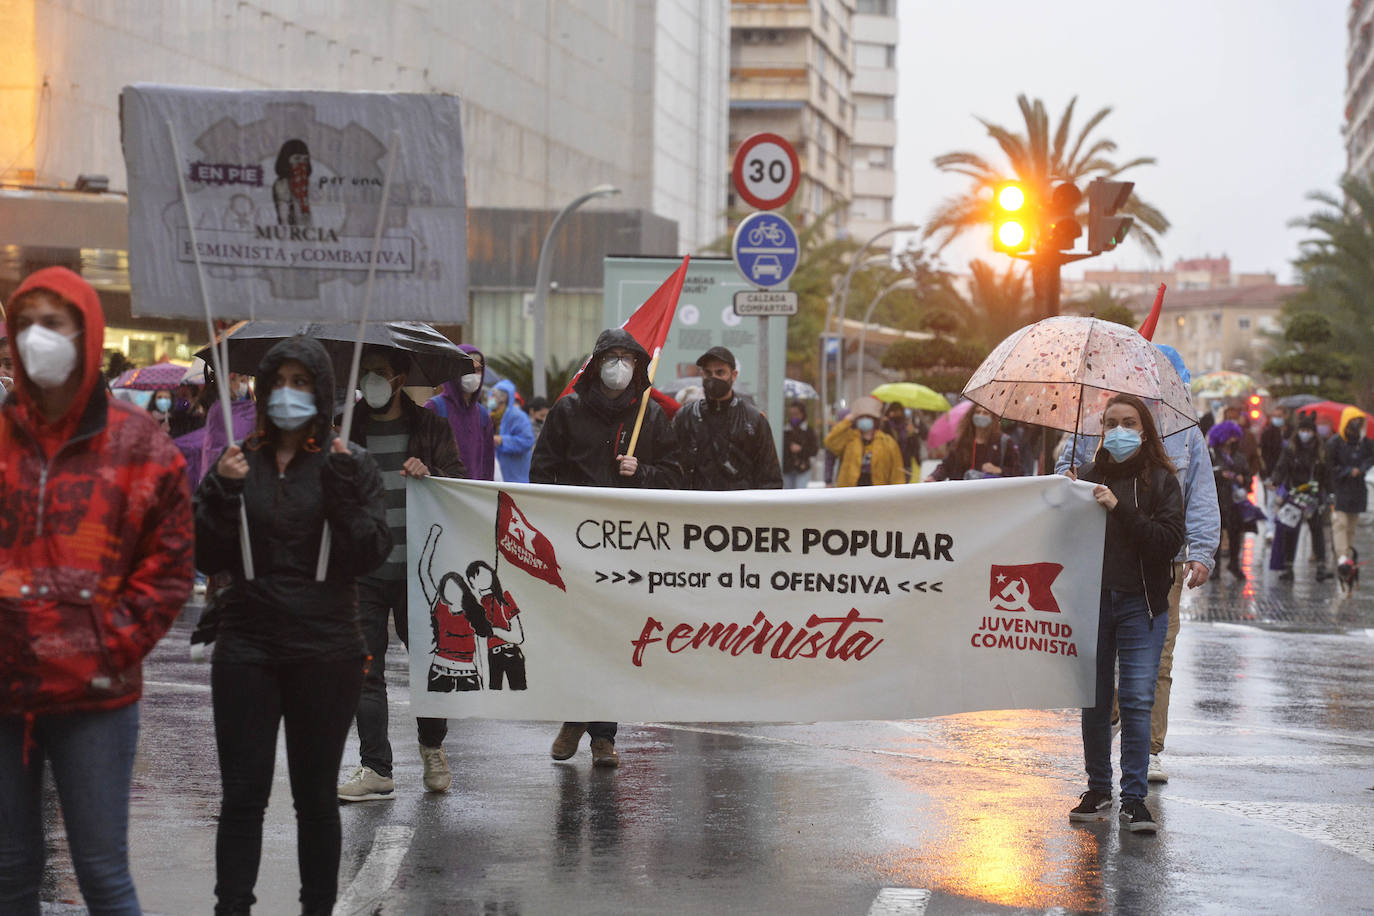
column 910, row 394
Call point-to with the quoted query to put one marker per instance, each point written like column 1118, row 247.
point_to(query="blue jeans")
column 92, row 757
column 796, row 480
column 1125, row 634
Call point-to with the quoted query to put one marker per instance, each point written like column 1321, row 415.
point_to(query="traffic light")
column 1106, row 230
column 1011, row 226
column 1255, row 412
column 1060, row 228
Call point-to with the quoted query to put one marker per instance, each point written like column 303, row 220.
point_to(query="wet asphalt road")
column 1270, row 753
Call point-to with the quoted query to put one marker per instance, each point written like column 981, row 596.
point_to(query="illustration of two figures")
column 475, row 625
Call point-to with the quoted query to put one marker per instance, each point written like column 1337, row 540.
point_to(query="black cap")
column 718, row 353
column 1307, row 421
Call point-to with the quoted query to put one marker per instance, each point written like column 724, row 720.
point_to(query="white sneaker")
column 1156, row 772
column 365, row 785
column 437, row 775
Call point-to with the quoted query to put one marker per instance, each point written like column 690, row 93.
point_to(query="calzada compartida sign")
column 642, row 605
column 284, row 189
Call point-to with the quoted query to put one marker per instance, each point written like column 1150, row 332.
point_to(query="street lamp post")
column 841, row 297
column 541, row 287
column 903, row 283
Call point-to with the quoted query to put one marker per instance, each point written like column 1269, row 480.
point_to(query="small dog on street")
column 1348, row 572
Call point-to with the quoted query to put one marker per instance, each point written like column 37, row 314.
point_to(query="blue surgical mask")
column 1323, row 430
column 982, row 420
column 289, row 408
column 865, row 424
column 1121, row 442
column 163, row 404
column 1278, row 422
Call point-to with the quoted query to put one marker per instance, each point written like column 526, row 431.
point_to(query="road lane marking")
column 900, row 901
column 1342, row 827
column 378, row 873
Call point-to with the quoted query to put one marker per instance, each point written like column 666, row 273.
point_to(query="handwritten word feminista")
column 781, row 641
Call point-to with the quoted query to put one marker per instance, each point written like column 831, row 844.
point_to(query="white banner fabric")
column 284, row 189
column 797, row 605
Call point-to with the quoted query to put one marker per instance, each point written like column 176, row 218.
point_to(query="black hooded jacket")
column 726, row 446
column 283, row 614
column 585, row 430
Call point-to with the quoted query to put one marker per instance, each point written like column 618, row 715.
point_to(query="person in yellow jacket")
column 868, row 456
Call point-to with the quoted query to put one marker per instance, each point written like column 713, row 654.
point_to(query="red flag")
column 1024, row 588
column 650, row 323
column 524, row 545
column 1147, row 330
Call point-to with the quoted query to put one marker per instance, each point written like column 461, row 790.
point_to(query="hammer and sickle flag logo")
column 524, row 545
column 1024, row 588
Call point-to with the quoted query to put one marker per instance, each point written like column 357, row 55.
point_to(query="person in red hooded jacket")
column 95, row 564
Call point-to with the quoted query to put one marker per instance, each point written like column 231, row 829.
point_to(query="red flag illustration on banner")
column 650, row 323
column 1024, row 588
column 524, row 545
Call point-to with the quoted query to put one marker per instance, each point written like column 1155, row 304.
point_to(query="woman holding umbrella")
column 1144, row 504
column 288, row 648
column 980, row 450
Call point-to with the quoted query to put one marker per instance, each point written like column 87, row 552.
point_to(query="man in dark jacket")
column 585, row 443
column 1350, row 456
column 406, row 441
column 1302, row 462
column 726, row 443
column 1275, row 434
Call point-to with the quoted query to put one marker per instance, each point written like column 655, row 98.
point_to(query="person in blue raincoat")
column 515, row 436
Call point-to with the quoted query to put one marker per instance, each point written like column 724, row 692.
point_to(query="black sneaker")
column 1323, row 574
column 1136, row 817
column 1091, row 804
column 1286, row 575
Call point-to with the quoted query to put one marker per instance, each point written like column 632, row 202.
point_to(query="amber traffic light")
column 1011, row 209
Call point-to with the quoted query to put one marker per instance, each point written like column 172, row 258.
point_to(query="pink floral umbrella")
column 1060, row 372
column 152, row 378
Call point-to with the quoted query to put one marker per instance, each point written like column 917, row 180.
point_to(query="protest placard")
column 284, row 191
column 863, row 603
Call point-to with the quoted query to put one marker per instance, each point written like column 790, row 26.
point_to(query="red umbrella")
column 1330, row 411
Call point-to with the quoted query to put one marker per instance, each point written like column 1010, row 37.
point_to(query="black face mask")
column 715, row 388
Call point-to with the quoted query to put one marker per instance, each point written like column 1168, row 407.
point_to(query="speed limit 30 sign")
column 766, row 171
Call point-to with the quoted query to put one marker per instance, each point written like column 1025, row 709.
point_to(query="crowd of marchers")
column 105, row 526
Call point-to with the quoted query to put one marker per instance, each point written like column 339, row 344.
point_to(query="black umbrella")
column 1298, row 400
column 434, row 359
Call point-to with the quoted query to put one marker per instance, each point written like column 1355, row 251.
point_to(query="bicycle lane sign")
column 765, row 249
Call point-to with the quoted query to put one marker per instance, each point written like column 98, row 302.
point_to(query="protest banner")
column 653, row 605
column 284, row 191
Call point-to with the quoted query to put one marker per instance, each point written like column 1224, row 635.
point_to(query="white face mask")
column 376, row 390
column 616, row 373
column 471, row 382
column 48, row 357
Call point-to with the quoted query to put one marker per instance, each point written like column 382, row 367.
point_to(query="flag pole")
column 221, row 364
column 644, row 402
column 346, row 428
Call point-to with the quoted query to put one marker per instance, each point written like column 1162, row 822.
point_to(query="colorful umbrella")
column 797, row 390
column 910, row 394
column 946, row 426
column 152, row 378
column 1329, row 411
column 1060, row 372
column 1223, row 384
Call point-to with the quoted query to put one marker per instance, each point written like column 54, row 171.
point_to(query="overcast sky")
column 1240, row 101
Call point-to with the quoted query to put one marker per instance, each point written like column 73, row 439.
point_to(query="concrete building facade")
column 559, row 95
column 1359, row 88
column 875, row 118
column 1227, row 327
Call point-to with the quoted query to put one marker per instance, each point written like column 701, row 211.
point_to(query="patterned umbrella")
column 152, row 378
column 1060, row 372
column 1223, row 384
column 797, row 390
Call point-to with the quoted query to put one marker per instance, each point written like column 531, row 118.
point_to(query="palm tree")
column 1337, row 267
column 1105, row 303
column 1039, row 158
column 998, row 304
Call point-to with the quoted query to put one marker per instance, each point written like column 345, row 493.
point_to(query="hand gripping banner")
column 585, row 604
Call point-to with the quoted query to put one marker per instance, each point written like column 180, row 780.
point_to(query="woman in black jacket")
column 1137, row 487
column 288, row 648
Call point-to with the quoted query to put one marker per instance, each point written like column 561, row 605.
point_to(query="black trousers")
column 316, row 700
column 506, row 662
column 378, row 603
column 598, row 729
